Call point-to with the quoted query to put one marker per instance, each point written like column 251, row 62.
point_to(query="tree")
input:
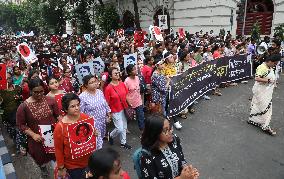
column 279, row 32
column 55, row 14
column 136, row 16
column 82, row 15
column 9, row 14
column 107, row 17
column 255, row 32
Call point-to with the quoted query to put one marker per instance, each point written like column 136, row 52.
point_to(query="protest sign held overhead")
column 130, row 59
column 82, row 137
column 163, row 22
column 88, row 37
column 156, row 33
column 181, row 33
column 99, row 66
column 26, row 53
column 139, row 38
column 84, row 70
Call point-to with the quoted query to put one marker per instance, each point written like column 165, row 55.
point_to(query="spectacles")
column 166, row 131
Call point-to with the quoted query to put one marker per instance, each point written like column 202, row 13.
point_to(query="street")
column 216, row 139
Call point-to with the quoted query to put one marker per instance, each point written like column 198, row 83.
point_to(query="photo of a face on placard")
column 83, row 132
column 99, row 66
column 47, row 134
column 84, row 70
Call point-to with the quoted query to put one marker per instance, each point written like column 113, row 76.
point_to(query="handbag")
column 129, row 112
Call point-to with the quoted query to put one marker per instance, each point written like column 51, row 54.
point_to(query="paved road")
column 216, row 139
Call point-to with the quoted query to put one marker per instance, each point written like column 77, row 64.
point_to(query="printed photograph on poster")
column 84, row 70
column 157, row 33
column 88, row 37
column 99, row 66
column 163, row 23
column 27, row 53
column 82, row 137
column 46, row 132
column 130, row 59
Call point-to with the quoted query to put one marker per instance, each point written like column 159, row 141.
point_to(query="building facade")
column 205, row 15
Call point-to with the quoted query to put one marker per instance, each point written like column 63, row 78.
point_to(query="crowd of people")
column 48, row 92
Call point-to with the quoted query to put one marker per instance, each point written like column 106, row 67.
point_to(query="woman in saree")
column 261, row 105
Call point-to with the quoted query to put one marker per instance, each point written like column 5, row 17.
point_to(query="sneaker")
column 244, row 82
column 110, row 140
column 206, row 97
column 125, row 146
column 177, row 125
column 195, row 102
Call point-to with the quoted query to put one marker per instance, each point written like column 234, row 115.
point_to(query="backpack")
column 136, row 157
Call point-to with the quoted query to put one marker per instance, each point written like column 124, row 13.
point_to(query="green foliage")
column 279, row 32
column 82, row 16
column 8, row 16
column 107, row 18
column 255, row 32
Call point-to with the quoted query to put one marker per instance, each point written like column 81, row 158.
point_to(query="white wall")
column 196, row 15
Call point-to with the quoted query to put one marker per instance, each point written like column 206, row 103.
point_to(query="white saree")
column 261, row 105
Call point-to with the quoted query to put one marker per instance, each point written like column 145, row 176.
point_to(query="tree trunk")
column 136, row 16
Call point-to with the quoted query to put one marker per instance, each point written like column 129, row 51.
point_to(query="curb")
column 7, row 170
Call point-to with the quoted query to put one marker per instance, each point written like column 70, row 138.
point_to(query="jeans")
column 140, row 116
column 120, row 124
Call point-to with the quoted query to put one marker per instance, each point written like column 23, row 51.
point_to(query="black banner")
column 195, row 82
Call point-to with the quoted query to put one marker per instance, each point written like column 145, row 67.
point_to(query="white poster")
column 84, row 70
column 99, row 66
column 88, row 37
column 157, row 33
column 46, row 132
column 163, row 23
column 26, row 53
column 130, row 59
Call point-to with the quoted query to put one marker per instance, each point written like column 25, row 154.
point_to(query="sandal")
column 183, row 116
column 269, row 131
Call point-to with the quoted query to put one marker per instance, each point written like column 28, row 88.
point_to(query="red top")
column 216, row 54
column 147, row 73
column 58, row 99
column 116, row 97
column 63, row 150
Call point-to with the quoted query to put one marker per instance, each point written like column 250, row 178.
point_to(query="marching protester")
column 68, row 66
column 165, row 158
column 261, row 105
column 34, row 111
column 132, row 84
column 115, row 94
column 55, row 93
column 93, row 103
column 69, row 162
